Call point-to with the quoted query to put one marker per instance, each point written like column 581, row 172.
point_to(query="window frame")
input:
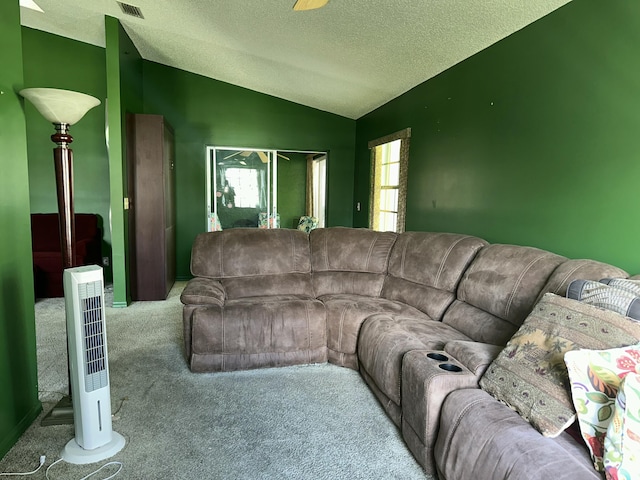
column 404, row 136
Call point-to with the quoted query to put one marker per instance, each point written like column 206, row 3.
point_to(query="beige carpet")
column 304, row 422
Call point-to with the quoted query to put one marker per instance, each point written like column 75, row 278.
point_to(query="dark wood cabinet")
column 152, row 218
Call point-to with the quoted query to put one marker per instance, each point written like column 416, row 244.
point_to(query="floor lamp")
column 62, row 108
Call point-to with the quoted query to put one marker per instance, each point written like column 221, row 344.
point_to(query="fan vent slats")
column 95, row 367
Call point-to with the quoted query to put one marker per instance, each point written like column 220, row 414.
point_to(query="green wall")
column 532, row 141
column 124, row 92
column 84, row 71
column 19, row 404
column 292, row 188
column 204, row 112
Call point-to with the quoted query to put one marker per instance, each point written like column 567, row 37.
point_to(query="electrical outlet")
column 105, row 261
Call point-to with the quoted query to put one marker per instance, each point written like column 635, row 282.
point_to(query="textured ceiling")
column 347, row 58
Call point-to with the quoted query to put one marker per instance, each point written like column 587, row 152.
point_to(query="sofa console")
column 420, row 315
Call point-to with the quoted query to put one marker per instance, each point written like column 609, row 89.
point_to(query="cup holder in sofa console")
column 438, row 356
column 450, row 367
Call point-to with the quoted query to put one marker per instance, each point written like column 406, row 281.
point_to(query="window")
column 316, row 187
column 389, row 159
column 246, row 193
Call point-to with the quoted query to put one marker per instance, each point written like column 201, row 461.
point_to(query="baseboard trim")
column 120, row 304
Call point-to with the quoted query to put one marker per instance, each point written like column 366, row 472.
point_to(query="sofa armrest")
column 476, row 356
column 427, row 378
column 203, row 291
column 482, row 438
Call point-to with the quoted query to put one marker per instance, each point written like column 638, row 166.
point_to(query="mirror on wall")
column 252, row 187
column 241, row 187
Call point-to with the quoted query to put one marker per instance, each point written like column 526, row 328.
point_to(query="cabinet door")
column 153, row 238
column 169, row 208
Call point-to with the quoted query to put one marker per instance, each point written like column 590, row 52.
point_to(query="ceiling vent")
column 130, row 10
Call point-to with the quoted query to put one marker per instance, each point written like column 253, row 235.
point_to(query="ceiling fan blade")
column 263, row 157
column 309, row 4
column 232, row 155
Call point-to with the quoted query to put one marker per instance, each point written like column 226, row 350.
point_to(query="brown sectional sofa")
column 421, row 315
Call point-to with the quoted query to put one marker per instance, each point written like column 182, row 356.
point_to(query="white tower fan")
column 94, row 439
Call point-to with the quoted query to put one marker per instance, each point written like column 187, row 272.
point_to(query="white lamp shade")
column 60, row 106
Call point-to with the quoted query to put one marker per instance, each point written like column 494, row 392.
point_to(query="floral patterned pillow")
column 214, row 223
column 595, row 377
column 306, row 223
column 622, row 443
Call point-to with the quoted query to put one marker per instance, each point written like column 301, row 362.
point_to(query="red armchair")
column 47, row 255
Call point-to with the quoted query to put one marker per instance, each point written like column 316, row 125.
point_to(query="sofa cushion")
column 345, row 314
column 349, row 260
column 245, row 252
column 530, row 374
column 384, row 340
column 503, row 281
column 476, row 356
column 431, row 301
column 479, row 325
column 425, row 269
column 574, row 269
column 480, row 438
column 262, row 285
column 434, row 259
column 350, row 283
column 350, row 250
column 203, row 291
column 258, row 332
column 595, row 377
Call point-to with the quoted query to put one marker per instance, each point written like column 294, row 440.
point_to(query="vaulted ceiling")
column 348, row 57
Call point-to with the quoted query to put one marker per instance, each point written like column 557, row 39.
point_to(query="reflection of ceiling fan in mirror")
column 247, row 153
column 309, row 4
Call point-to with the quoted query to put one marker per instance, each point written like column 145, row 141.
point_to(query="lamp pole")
column 62, row 108
column 63, row 161
column 62, row 412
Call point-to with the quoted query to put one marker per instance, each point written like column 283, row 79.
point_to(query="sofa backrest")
column 45, row 230
column 349, row 260
column 425, row 269
column 579, row 269
column 254, row 262
column 498, row 290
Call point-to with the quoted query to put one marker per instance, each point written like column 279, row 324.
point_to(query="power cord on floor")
column 114, row 415
column 46, row 473
column 42, row 460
